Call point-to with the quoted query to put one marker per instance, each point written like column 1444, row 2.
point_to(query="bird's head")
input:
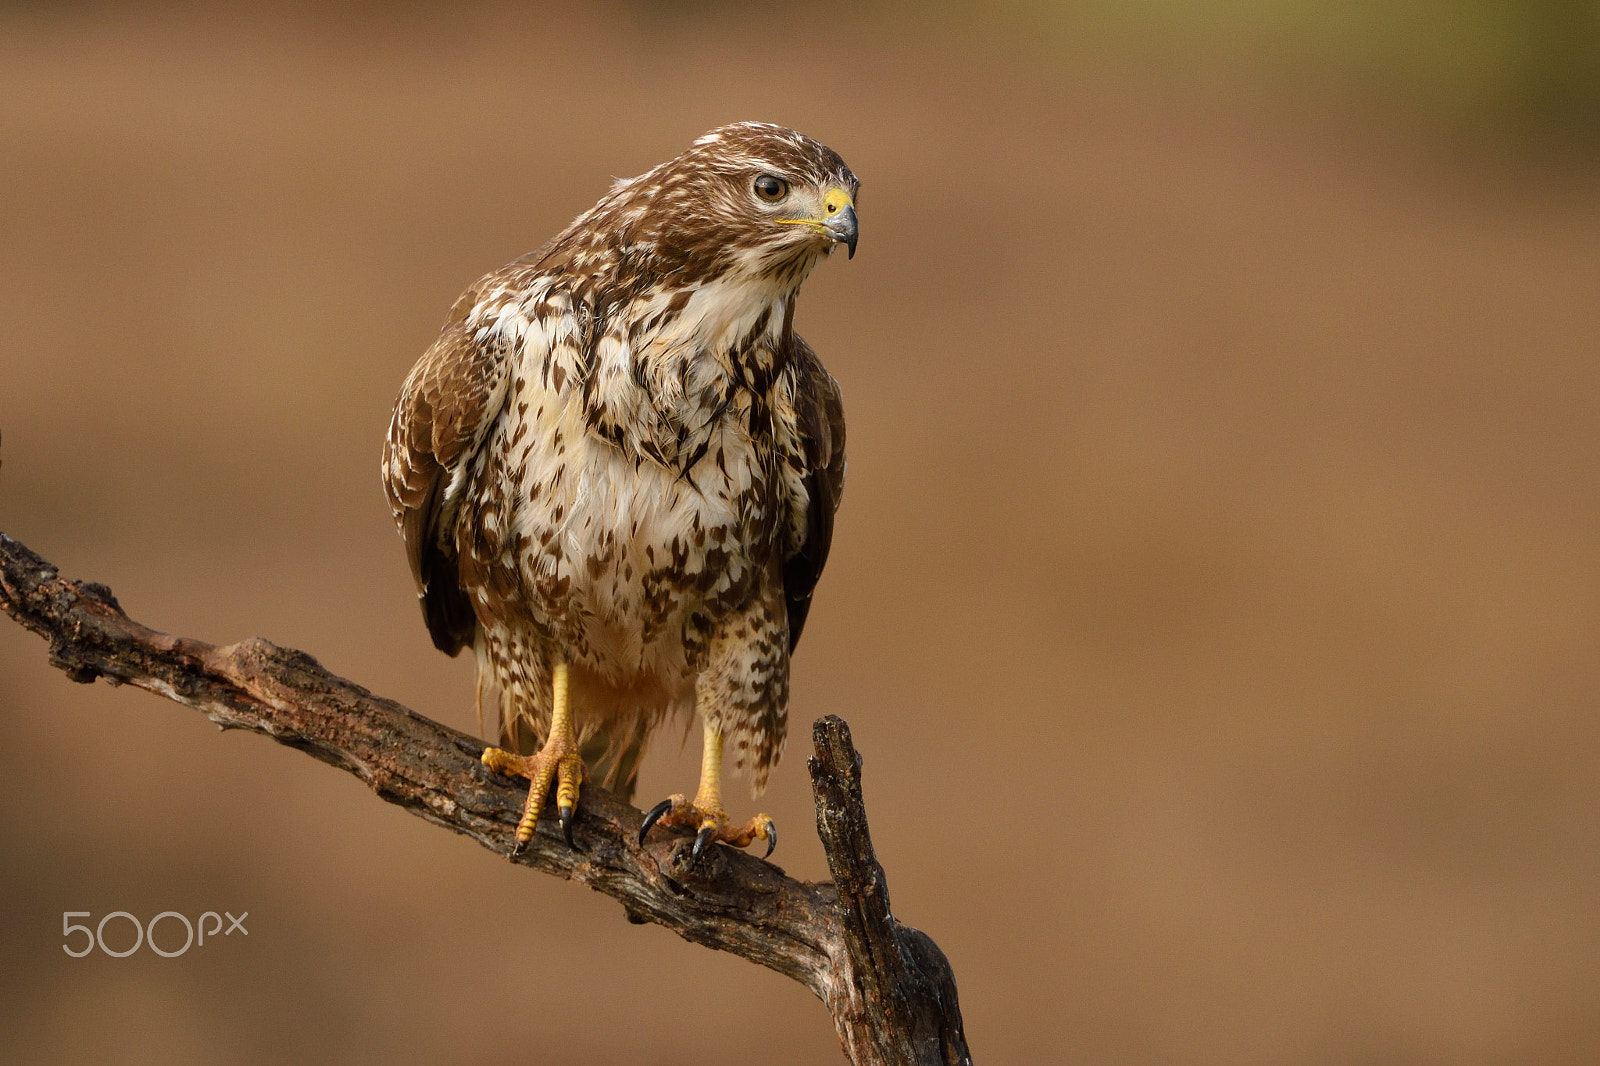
column 751, row 198
column 779, row 190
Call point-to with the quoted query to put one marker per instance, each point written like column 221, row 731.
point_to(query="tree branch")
column 889, row 988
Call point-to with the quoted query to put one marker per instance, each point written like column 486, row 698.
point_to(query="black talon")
column 655, row 814
column 772, row 840
column 701, row 839
column 566, row 826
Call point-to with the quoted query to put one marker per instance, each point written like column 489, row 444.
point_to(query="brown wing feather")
column 441, row 416
column 821, row 415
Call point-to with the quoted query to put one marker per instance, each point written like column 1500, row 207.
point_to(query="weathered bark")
column 896, row 1000
column 889, row 988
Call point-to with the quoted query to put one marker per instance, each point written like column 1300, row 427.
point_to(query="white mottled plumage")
column 620, row 456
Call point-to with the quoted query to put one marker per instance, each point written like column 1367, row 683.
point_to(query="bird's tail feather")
column 613, row 755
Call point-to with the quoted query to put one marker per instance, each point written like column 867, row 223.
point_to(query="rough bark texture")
column 888, row 986
column 895, row 1000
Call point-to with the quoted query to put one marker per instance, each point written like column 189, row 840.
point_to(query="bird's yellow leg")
column 558, row 760
column 706, row 814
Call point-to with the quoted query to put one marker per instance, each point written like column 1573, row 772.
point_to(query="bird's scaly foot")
column 706, row 813
column 710, row 822
column 559, row 761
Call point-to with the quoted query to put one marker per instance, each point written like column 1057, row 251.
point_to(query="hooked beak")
column 843, row 227
column 838, row 219
column 841, row 223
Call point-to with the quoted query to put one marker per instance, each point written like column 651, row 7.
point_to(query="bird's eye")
column 771, row 189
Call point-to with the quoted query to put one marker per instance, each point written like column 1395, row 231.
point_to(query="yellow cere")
column 836, row 200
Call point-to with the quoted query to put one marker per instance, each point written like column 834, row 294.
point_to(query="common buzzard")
column 617, row 468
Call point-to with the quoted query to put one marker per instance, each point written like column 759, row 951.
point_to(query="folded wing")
column 821, row 422
column 445, row 409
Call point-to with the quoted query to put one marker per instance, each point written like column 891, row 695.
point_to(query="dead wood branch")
column 889, row 988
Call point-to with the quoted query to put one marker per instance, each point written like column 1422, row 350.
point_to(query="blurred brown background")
column 1215, row 599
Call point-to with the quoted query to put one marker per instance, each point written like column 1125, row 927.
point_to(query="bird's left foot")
column 710, row 823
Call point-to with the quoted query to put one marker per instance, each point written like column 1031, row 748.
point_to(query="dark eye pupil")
column 769, row 188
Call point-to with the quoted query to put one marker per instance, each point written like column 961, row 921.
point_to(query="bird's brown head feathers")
column 750, row 199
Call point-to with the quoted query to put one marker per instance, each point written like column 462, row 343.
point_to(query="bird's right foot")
column 559, row 761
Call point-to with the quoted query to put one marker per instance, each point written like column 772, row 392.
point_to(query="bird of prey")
column 616, row 471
